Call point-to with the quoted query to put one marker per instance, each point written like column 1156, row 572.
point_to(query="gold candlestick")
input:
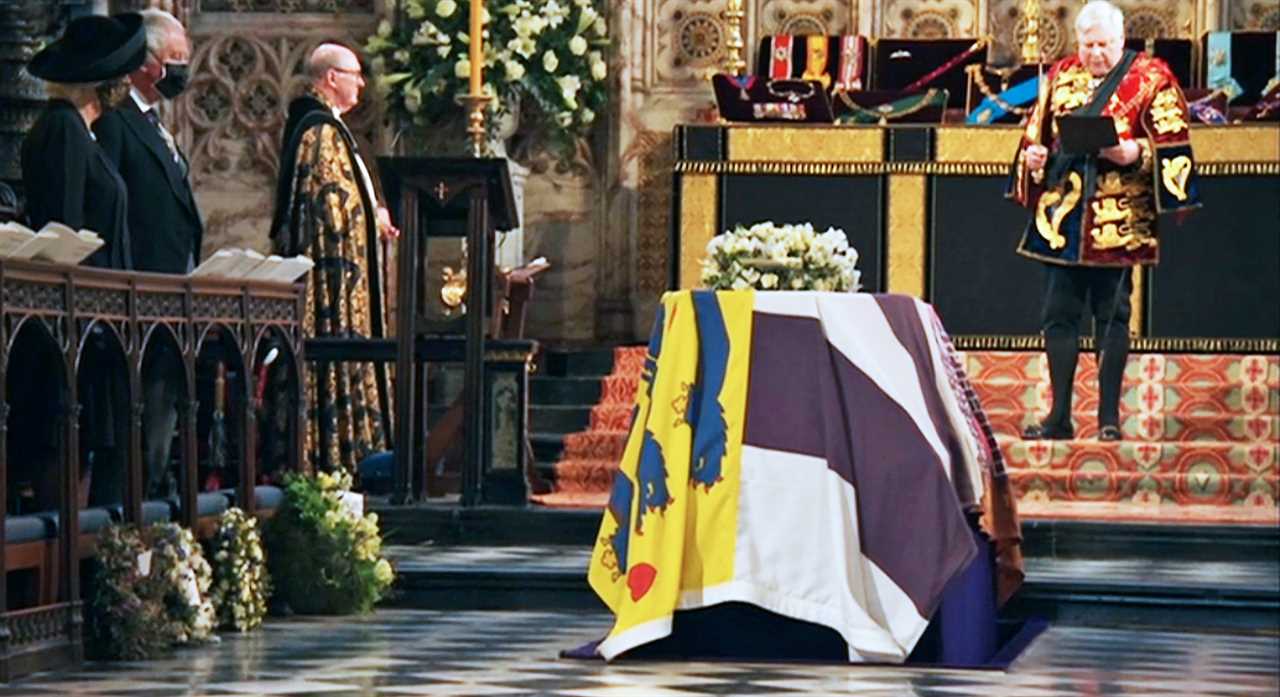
column 733, row 61
column 475, row 105
column 477, row 100
column 1031, row 41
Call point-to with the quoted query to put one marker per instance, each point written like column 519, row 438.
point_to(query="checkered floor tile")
column 470, row 654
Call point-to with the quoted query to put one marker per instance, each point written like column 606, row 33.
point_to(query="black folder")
column 1086, row 135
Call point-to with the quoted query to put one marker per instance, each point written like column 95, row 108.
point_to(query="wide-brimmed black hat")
column 93, row 48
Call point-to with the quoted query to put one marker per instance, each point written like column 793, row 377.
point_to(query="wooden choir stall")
column 78, row 346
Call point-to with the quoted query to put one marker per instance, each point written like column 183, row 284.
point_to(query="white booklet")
column 246, row 264
column 55, row 243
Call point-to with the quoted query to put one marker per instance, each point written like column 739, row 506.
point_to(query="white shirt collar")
column 143, row 105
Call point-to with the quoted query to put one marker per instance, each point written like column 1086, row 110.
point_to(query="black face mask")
column 174, row 80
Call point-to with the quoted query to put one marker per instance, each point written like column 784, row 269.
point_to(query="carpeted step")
column 1184, row 488
column 1130, row 456
column 1140, row 398
column 585, row 475
column 595, row 445
column 1155, row 427
column 610, row 417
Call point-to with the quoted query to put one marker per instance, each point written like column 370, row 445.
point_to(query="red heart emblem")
column 640, row 580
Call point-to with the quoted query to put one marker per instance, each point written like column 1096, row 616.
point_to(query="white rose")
column 515, row 70
column 444, row 8
column 577, row 45
column 769, row 280
column 599, row 70
column 384, row 28
column 415, row 10
column 564, row 118
column 588, row 116
column 443, row 51
column 550, row 62
column 402, row 56
column 601, row 28
column 462, row 68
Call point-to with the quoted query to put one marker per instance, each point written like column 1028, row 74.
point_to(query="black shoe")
column 1048, row 431
column 1110, row 433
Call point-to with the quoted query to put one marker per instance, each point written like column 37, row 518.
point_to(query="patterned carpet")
column 1200, row 444
column 470, row 654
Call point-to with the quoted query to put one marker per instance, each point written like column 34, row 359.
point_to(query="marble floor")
column 470, row 654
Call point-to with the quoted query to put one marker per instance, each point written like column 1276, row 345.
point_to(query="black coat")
column 69, row 179
column 163, row 218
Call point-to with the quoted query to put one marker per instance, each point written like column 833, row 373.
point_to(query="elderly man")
column 327, row 209
column 164, row 223
column 1095, row 214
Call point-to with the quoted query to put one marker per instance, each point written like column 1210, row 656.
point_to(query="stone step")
column 1233, row 594
column 562, row 391
column 578, row 363
column 1157, row 427
column 559, row 419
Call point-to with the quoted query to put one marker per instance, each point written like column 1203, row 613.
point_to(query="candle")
column 477, row 47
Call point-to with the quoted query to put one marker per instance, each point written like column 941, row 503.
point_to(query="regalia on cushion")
column 1114, row 221
column 752, row 98
column 838, row 62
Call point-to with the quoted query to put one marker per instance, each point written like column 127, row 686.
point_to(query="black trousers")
column 163, row 380
column 1107, row 291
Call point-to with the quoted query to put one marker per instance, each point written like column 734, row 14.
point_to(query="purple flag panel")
column 807, row 397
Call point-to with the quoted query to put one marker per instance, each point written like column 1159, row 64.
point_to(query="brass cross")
column 441, row 190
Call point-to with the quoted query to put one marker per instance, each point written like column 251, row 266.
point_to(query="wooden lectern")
column 433, row 197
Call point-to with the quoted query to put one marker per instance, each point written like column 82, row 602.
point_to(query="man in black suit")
column 164, row 222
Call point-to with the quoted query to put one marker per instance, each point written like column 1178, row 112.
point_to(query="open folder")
column 1086, row 135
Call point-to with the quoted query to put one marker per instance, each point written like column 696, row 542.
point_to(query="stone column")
column 21, row 96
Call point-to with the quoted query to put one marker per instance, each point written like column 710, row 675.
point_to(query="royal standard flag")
column 802, row 452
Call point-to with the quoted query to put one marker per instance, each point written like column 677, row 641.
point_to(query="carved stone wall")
column 1255, row 15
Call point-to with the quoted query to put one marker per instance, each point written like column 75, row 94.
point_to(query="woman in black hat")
column 67, row 177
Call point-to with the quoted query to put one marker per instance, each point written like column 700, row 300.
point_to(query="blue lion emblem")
column 704, row 412
column 620, row 508
column 652, row 474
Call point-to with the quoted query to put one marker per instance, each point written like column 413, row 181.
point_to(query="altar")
column 924, row 206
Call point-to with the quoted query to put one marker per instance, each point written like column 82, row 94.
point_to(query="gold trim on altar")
column 808, row 145
column 908, row 196
column 698, row 210
column 967, row 144
column 1235, row 144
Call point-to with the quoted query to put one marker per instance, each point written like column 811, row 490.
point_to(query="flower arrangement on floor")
column 547, row 56
column 125, row 618
column 768, row 256
column 325, row 557
column 151, row 592
column 241, row 584
column 184, row 576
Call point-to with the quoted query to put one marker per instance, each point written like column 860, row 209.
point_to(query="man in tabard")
column 327, row 209
column 1094, row 216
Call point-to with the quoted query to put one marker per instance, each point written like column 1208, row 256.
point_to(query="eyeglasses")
column 348, row 71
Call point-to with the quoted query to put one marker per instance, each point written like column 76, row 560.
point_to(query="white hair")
column 161, row 28
column 1100, row 13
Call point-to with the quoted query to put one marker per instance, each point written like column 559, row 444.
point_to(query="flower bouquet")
column 768, row 256
column 240, row 580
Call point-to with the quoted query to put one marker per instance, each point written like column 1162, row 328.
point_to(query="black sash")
column 1062, row 162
